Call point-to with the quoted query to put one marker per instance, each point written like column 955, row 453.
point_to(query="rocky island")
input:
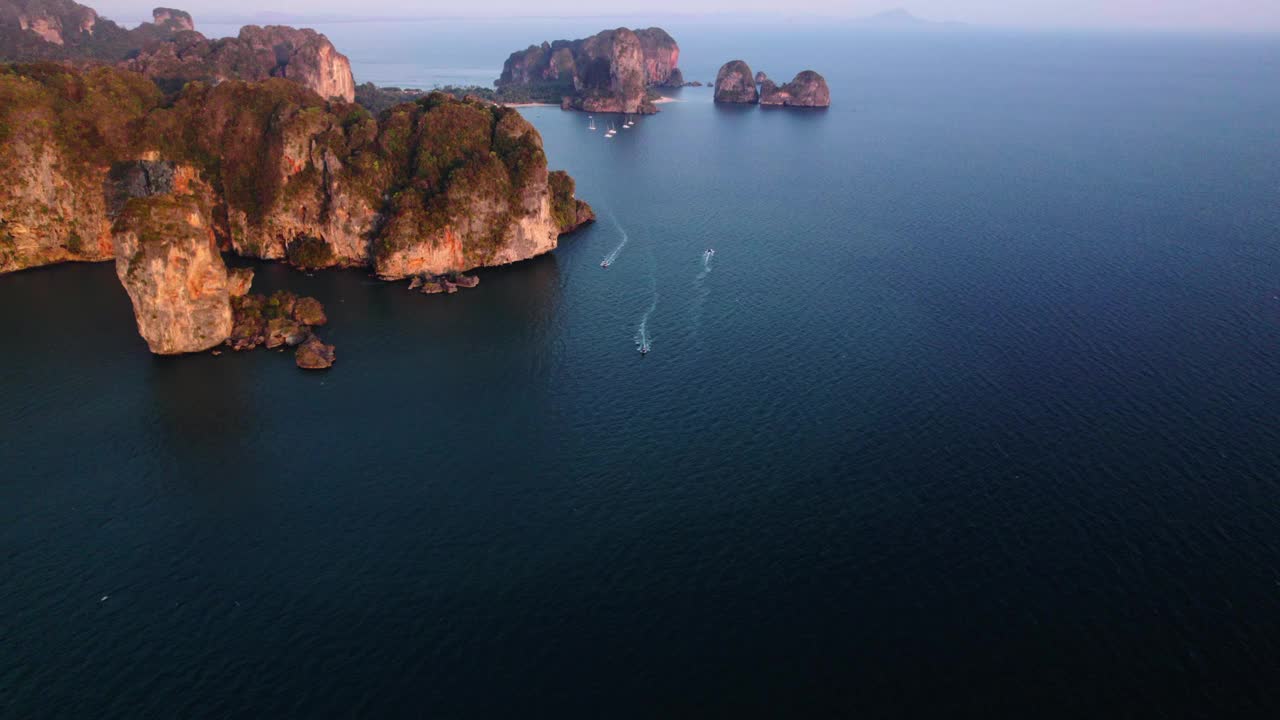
column 102, row 161
column 735, row 84
column 807, row 89
column 611, row 71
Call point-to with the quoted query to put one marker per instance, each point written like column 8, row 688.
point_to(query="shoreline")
column 660, row 101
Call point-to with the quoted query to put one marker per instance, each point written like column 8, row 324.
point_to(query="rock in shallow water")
column 314, row 355
column 309, row 311
column 239, row 281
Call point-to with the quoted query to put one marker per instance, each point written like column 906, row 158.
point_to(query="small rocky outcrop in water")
column 736, row 84
column 280, row 320
column 808, row 89
column 314, row 355
column 168, row 262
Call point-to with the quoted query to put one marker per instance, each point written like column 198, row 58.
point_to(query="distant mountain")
column 901, row 19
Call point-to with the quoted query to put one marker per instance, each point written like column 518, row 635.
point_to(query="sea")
column 973, row 412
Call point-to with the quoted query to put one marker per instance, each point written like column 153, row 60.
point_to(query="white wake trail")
column 706, row 263
column 701, row 292
column 608, row 259
column 643, row 343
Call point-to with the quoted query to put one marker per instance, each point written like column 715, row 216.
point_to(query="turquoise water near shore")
column 973, row 411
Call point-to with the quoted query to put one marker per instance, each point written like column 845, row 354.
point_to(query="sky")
column 1247, row 15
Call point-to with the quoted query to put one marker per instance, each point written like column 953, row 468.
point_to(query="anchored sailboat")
column 591, row 125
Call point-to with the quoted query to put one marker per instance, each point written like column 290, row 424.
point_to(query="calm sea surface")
column 976, row 410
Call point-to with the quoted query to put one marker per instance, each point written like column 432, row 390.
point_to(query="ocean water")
column 973, row 411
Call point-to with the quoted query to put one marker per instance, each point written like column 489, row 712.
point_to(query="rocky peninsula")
column 611, row 71
column 98, row 162
column 736, row 84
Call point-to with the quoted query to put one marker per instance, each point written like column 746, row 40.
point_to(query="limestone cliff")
column 56, row 22
column 59, row 133
column 661, row 57
column 257, row 53
column 169, row 265
column 735, row 84
column 438, row 185
column 176, row 20
column 610, row 75
column 607, row 72
column 807, row 89
column 169, row 50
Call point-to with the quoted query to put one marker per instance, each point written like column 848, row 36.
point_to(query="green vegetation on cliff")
column 281, row 172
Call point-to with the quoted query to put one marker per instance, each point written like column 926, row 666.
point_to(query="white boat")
column 592, row 124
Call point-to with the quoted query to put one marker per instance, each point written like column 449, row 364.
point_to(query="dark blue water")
column 974, row 413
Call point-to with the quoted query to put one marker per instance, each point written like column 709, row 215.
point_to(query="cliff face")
column 610, row 75
column 661, row 57
column 434, row 186
column 735, row 83
column 258, row 53
column 808, row 89
column 176, row 20
column 57, row 22
column 169, row 265
column 59, row 133
column 607, row 72
column 169, row 50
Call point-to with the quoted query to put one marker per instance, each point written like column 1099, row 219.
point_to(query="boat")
column 591, row 125
column 604, row 263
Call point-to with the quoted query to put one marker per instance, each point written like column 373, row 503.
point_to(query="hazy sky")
column 1156, row 14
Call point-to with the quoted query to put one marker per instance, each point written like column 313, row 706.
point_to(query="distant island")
column 611, row 71
column 901, row 19
column 736, row 85
column 103, row 158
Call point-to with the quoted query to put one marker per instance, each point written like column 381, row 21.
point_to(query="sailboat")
column 592, row 124
column 627, row 125
column 611, row 131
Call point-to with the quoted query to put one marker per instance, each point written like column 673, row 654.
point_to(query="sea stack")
column 736, row 84
column 168, row 262
column 807, row 89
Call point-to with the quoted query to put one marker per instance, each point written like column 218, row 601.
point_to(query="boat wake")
column 643, row 341
column 701, row 290
column 706, row 263
column 613, row 255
